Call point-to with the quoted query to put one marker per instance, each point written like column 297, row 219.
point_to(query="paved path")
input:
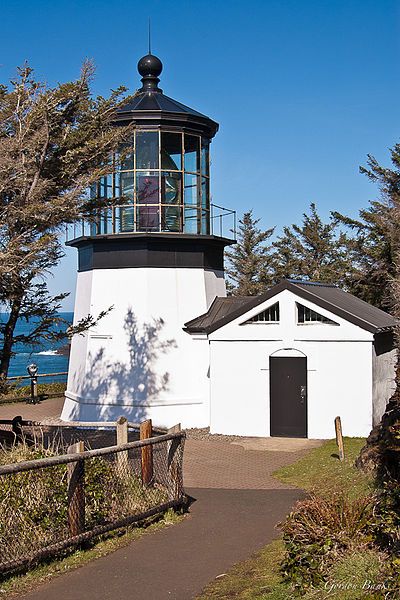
column 224, row 527
column 236, row 505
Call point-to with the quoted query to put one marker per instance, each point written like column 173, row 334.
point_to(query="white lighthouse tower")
column 156, row 258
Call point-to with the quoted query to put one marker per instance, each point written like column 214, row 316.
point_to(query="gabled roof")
column 329, row 297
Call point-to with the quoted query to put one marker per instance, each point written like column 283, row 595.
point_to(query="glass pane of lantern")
column 205, row 211
column 205, row 222
column 147, row 151
column 205, row 157
column 191, row 219
column 191, row 189
column 127, row 219
column 105, row 188
column 192, row 153
column 171, row 151
column 204, row 192
column 171, row 188
column 126, row 183
column 94, row 191
column 147, row 186
column 147, row 218
column 124, row 158
column 171, row 218
column 107, row 220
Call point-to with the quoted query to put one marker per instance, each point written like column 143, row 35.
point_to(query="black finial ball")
column 150, row 65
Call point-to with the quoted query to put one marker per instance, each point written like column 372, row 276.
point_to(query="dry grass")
column 34, row 504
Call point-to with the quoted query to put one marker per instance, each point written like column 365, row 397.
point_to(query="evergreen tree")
column 249, row 269
column 313, row 251
column 372, row 246
column 54, row 143
column 382, row 226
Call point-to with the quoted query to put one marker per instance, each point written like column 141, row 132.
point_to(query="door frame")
column 292, row 356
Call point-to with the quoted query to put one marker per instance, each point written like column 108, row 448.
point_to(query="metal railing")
column 156, row 218
column 33, row 378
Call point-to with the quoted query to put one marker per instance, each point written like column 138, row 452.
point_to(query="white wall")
column 339, row 365
column 117, row 369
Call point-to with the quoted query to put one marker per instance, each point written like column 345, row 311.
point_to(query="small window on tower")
column 307, row 316
column 269, row 315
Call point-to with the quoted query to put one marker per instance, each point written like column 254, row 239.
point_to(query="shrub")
column 318, row 531
column 15, row 393
column 388, row 517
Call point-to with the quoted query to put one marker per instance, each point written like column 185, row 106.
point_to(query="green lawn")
column 258, row 578
column 321, row 471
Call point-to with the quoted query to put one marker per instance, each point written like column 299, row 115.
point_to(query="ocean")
column 47, row 358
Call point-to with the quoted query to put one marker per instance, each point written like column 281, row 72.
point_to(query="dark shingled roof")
column 157, row 101
column 330, row 297
column 219, row 310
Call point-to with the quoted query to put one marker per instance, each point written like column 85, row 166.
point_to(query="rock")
column 380, row 454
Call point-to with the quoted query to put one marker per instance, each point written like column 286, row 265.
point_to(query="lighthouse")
column 152, row 257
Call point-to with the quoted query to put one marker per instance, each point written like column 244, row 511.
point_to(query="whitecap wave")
column 47, row 353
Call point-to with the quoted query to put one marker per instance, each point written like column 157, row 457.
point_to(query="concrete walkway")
column 236, row 506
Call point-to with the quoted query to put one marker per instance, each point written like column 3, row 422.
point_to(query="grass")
column 23, row 393
column 258, row 578
column 321, row 471
column 20, row 584
column 254, row 579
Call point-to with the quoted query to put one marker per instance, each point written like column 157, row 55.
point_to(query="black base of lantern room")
column 150, row 250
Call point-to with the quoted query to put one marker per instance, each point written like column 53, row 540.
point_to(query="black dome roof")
column 150, row 106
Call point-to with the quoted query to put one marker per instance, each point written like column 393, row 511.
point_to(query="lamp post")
column 32, row 372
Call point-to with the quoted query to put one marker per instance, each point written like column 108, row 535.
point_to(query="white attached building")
column 286, row 363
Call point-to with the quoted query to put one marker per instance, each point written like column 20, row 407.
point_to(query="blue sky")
column 302, row 90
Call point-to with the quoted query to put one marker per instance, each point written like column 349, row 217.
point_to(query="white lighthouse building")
column 156, row 258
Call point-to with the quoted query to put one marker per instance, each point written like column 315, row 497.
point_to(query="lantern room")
column 161, row 176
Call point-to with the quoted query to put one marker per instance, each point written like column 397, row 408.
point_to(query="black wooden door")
column 288, row 396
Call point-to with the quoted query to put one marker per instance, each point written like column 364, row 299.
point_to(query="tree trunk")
column 8, row 337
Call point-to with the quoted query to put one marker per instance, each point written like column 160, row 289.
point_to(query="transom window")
column 307, row 316
column 269, row 315
column 162, row 184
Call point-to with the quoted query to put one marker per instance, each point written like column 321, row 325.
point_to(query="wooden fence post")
column 76, row 492
column 122, row 438
column 146, row 431
column 339, row 437
column 174, row 475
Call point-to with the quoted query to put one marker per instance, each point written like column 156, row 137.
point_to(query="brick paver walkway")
column 210, row 464
column 32, row 412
